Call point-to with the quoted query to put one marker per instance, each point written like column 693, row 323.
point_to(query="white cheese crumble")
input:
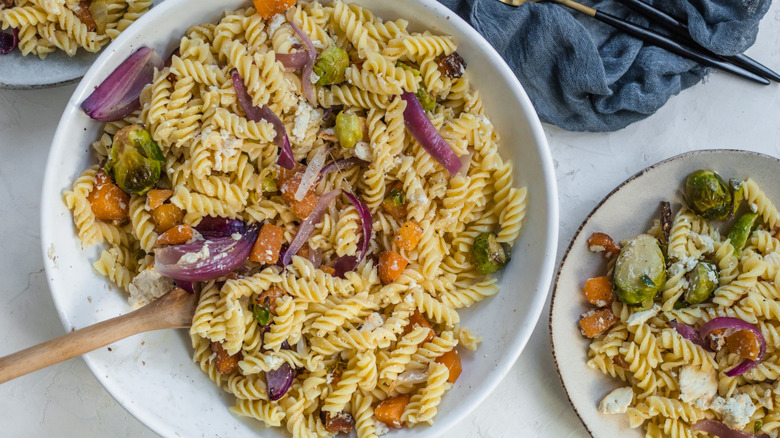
column 697, row 386
column 314, row 78
column 381, row 428
column 639, row 318
column 147, row 286
column 363, row 151
column 305, row 118
column 373, row 321
column 236, row 236
column 617, row 401
column 736, row 411
column 193, row 257
column 275, row 23
column 274, row 362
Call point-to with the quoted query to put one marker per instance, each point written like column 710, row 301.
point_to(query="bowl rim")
column 549, row 244
column 586, row 220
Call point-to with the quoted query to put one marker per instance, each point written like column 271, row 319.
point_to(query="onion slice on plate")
column 308, row 67
column 257, row 114
column 346, row 264
column 727, row 322
column 688, row 333
column 207, row 259
column 719, row 429
column 306, row 228
column 421, row 128
column 341, row 164
column 119, row 94
column 9, row 41
column 312, row 173
column 293, row 61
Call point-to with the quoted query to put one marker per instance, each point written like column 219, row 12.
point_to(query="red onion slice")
column 727, row 322
column 293, row 61
column 688, row 333
column 715, row 427
column 257, row 114
column 421, row 128
column 341, row 164
column 308, row 68
column 9, row 41
column 220, row 257
column 307, row 226
column 211, row 227
column 312, row 172
column 346, row 264
column 119, row 94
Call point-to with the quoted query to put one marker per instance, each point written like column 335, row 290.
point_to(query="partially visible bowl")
column 153, row 376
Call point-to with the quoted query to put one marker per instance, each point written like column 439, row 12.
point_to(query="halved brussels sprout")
column 708, row 195
column 488, row 255
column 740, row 231
column 737, row 193
column 135, row 161
column 640, row 270
column 348, row 129
column 331, row 66
column 427, row 101
column 702, row 281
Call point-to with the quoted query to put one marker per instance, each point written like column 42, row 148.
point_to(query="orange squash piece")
column 408, row 236
column 107, row 200
column 391, row 265
column 166, row 216
column 176, row 235
column 598, row 291
column 268, row 244
column 451, row 360
column 417, row 319
column 328, row 270
column 156, row 197
column 268, row 298
column 744, row 343
column 269, row 8
column 305, row 206
column 599, row 242
column 596, row 322
column 226, row 364
column 391, row 410
column 397, row 211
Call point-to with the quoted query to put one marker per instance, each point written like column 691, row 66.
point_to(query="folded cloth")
column 583, row 75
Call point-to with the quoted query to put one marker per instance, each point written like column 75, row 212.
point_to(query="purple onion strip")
column 727, row 322
column 421, row 128
column 306, row 228
column 719, row 429
column 341, row 164
column 9, row 41
column 308, row 68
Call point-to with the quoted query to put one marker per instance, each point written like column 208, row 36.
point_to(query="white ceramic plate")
column 27, row 72
column 153, row 376
column 627, row 211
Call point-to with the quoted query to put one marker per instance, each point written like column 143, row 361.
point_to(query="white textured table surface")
column 66, row 400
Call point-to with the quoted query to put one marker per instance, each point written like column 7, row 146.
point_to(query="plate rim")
column 586, row 220
column 549, row 182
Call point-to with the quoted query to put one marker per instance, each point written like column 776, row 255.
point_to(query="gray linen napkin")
column 583, row 75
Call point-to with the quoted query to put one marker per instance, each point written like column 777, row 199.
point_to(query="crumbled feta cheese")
column 736, row 411
column 697, row 386
column 236, row 236
column 275, row 23
column 372, row 321
column 305, row 118
column 318, row 44
column 753, row 207
column 617, row 401
column 196, row 236
column 705, row 243
column 381, row 428
column 192, row 257
column 314, row 77
column 639, row 318
column 147, row 286
column 363, row 151
column 597, row 248
column 274, row 362
column 409, row 299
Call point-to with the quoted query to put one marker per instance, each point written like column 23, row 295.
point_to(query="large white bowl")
column 152, row 375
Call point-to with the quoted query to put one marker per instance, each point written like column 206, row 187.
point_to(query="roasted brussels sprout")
column 702, row 281
column 427, row 101
column 348, row 129
column 408, row 67
column 135, row 161
column 488, row 255
column 740, row 231
column 708, row 195
column 640, row 270
column 331, row 66
column 737, row 193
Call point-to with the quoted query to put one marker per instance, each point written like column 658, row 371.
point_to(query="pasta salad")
column 39, row 27
column 332, row 187
column 687, row 315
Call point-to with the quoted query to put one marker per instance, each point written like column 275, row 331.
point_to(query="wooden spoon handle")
column 173, row 310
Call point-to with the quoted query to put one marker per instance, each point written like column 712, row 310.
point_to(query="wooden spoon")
column 173, row 310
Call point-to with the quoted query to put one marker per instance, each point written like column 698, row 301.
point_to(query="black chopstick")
column 663, row 41
column 680, row 29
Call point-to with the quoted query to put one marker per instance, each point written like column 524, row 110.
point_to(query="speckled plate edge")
column 554, row 294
